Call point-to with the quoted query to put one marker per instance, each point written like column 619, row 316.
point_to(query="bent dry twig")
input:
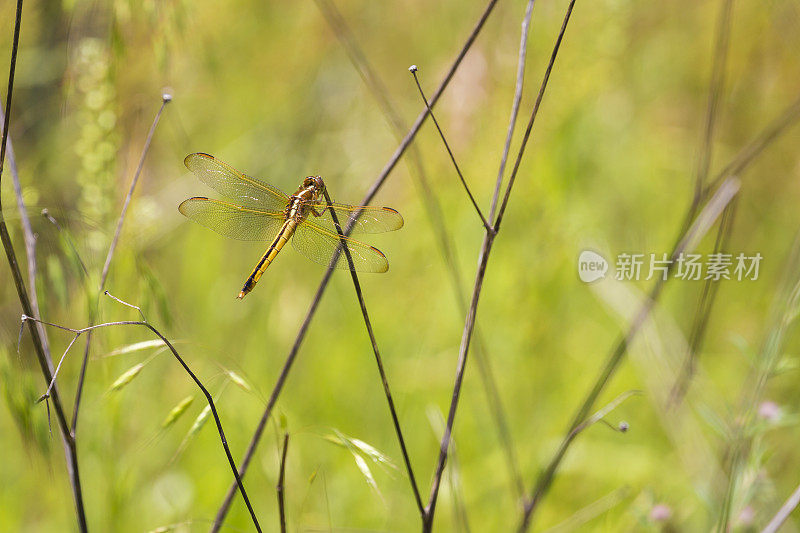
column 165, row 99
column 188, row 370
column 373, row 190
column 600, row 415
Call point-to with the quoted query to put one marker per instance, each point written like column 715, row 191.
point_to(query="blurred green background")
column 268, row 88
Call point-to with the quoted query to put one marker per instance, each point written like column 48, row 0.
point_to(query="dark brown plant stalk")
column 280, row 487
column 70, row 450
column 384, row 380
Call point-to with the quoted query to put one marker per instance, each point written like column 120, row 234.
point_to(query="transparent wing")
column 319, row 245
column 233, row 221
column 234, row 185
column 368, row 219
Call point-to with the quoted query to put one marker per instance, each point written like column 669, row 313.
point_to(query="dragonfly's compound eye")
column 316, row 182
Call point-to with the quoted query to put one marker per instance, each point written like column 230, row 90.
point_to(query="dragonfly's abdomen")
column 283, row 236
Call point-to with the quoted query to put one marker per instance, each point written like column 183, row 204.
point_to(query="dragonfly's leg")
column 319, row 213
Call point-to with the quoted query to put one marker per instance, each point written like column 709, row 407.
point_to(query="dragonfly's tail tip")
column 241, row 295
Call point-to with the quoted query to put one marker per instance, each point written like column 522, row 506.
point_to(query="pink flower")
column 769, row 411
column 660, row 512
column 746, row 516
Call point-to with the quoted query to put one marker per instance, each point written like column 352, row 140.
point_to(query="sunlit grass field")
column 269, row 88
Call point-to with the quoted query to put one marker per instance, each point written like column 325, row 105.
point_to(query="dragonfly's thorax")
column 300, row 204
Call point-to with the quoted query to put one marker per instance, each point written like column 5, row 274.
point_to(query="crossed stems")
column 146, row 324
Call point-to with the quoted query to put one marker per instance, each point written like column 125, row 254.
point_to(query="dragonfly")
column 258, row 211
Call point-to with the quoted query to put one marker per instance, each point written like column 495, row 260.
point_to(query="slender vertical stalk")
column 280, row 487
column 702, row 313
column 715, row 206
column 70, row 450
column 512, row 121
column 483, row 259
column 715, row 88
column 28, row 236
column 378, row 360
column 436, row 218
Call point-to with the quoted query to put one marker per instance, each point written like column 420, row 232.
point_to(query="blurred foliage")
column 267, row 87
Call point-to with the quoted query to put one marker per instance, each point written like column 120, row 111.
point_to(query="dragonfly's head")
column 317, row 183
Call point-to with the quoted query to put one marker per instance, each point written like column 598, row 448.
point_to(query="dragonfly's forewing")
column 233, row 221
column 234, row 185
column 318, row 244
column 368, row 219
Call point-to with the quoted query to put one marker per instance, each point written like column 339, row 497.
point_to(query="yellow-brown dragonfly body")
column 263, row 212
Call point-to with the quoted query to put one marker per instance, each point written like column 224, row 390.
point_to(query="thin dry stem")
column 746, row 156
column 485, row 251
column 280, row 488
column 515, row 104
column 46, row 395
column 534, row 113
column 29, row 237
column 715, row 89
column 702, row 315
column 414, row 69
column 783, row 513
column 384, row 380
